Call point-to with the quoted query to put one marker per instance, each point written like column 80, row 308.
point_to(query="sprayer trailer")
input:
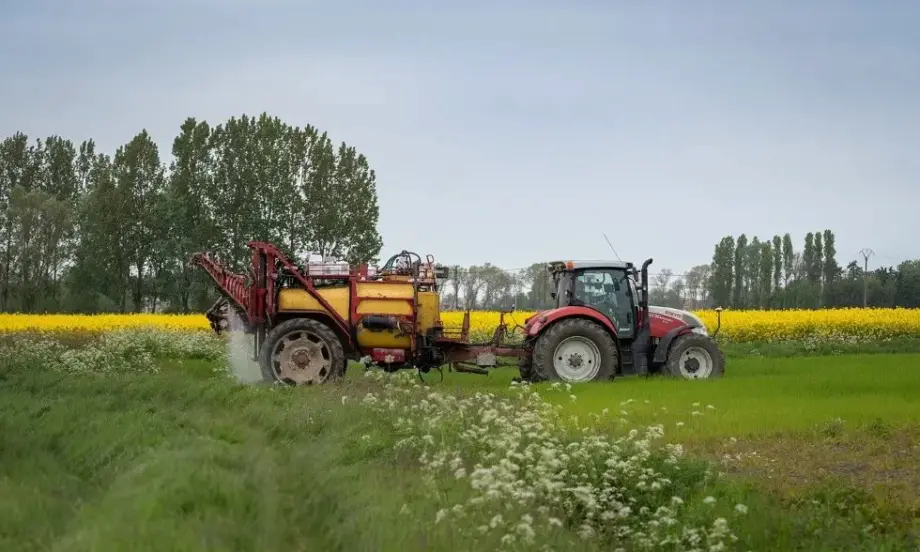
column 308, row 321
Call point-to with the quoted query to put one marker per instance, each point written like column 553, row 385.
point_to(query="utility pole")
column 866, row 253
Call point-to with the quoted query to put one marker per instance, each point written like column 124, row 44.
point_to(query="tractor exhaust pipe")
column 643, row 298
column 643, row 342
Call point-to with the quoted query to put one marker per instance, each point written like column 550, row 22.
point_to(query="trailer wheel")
column 302, row 351
column 575, row 351
column 695, row 356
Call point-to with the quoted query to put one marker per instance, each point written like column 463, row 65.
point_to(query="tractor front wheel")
column 302, row 351
column 574, row 351
column 695, row 356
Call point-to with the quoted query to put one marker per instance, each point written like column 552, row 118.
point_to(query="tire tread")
column 303, row 324
column 542, row 370
column 683, row 342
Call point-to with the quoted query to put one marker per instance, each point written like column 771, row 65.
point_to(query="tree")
column 540, row 281
column 907, row 285
column 720, row 283
column 808, row 256
column 140, row 178
column 99, row 278
column 788, row 259
column 777, row 262
column 831, row 269
column 188, row 217
column 697, row 281
column 19, row 172
column 738, row 288
column 752, row 273
column 766, row 272
column 353, row 202
column 663, row 292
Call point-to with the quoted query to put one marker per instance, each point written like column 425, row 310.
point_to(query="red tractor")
column 602, row 326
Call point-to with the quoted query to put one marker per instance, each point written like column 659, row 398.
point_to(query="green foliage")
column 84, row 231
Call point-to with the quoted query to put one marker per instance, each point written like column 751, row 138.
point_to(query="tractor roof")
column 578, row 265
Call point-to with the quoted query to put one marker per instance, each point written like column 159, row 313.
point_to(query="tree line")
column 772, row 274
column 83, row 230
column 743, row 274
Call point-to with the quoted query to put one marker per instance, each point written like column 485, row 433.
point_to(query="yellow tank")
column 374, row 298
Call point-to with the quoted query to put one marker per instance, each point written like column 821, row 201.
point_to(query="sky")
column 515, row 132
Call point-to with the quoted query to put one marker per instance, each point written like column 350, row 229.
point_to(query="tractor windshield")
column 608, row 290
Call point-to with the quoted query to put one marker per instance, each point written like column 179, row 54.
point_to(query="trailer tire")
column 574, row 350
column 302, row 351
column 695, row 356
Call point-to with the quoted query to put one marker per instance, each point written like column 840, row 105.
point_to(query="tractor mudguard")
column 661, row 351
column 537, row 323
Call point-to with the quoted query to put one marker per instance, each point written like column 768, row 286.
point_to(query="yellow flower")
column 739, row 326
column 95, row 323
column 759, row 325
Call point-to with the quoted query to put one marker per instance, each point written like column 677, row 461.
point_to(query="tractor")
column 602, row 327
column 309, row 321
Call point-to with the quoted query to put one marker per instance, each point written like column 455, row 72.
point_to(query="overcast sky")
column 519, row 131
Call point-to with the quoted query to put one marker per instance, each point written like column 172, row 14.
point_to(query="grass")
column 824, row 451
column 793, row 424
column 172, row 462
column 758, row 396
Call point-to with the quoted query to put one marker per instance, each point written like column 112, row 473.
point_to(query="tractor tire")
column 574, row 351
column 302, row 351
column 695, row 356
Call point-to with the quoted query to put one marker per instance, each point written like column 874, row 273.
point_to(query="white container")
column 337, row 268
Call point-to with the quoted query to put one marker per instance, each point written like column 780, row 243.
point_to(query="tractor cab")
column 610, row 287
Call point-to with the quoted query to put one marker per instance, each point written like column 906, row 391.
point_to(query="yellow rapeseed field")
column 95, row 323
column 756, row 325
column 738, row 326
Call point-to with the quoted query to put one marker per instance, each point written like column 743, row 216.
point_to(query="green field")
column 822, row 452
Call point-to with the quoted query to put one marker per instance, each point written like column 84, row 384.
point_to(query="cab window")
column 609, row 292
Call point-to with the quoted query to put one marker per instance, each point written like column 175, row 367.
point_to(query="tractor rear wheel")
column 575, row 351
column 695, row 356
column 302, row 351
